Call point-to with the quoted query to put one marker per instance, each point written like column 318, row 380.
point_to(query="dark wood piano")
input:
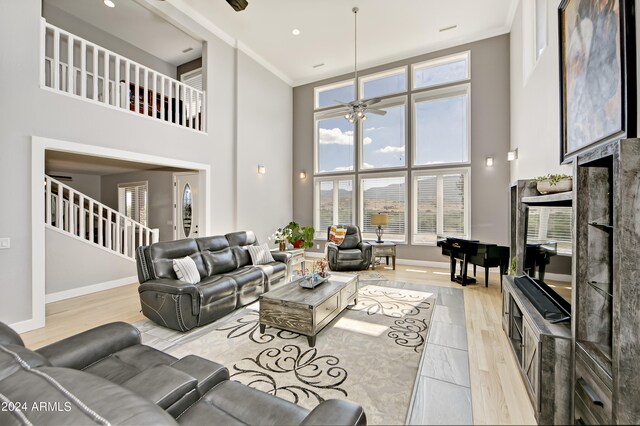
column 487, row 255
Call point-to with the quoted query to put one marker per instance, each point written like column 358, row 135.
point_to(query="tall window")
column 335, row 203
column 436, row 72
column 384, row 193
column 440, row 199
column 441, row 126
column 547, row 224
column 418, row 173
column 334, row 144
column 132, row 201
column 383, row 137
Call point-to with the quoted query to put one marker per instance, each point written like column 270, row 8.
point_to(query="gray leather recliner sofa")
column 228, row 279
column 106, row 376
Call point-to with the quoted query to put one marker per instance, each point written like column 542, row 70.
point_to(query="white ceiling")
column 135, row 24
column 387, row 30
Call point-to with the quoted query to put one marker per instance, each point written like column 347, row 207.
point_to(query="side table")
column 385, row 249
column 297, row 257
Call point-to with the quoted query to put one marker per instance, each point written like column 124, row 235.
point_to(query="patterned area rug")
column 369, row 354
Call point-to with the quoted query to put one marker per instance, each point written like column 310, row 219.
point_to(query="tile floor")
column 442, row 394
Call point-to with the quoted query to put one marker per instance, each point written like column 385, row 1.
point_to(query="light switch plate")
column 5, row 243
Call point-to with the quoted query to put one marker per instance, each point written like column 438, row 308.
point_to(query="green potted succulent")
column 552, row 184
column 300, row 237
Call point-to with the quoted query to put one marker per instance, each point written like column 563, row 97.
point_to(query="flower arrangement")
column 281, row 236
column 320, row 267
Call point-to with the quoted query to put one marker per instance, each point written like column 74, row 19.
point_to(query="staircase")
column 80, row 216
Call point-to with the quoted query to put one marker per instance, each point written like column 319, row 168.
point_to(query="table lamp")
column 379, row 219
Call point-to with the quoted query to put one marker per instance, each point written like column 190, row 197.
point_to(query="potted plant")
column 300, row 237
column 552, row 184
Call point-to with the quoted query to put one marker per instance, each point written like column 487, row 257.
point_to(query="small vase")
column 283, row 246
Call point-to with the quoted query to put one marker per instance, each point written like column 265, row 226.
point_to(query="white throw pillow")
column 260, row 255
column 186, row 270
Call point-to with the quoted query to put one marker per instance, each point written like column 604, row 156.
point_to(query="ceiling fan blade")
column 376, row 111
column 371, row 101
column 348, row 104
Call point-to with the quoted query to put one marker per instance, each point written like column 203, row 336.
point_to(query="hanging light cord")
column 355, row 44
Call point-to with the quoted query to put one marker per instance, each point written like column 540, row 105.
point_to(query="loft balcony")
column 76, row 67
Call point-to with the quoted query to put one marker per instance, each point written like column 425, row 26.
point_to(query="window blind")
column 384, row 195
column 453, row 205
column 427, row 207
column 193, row 79
column 132, row 201
column 550, row 224
column 326, row 206
column 440, row 206
column 345, row 202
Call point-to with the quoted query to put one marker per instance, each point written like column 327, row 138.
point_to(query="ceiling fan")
column 357, row 109
column 238, row 5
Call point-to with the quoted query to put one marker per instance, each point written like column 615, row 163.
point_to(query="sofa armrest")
column 281, row 256
column 170, row 286
column 84, row 349
column 334, row 412
column 208, row 373
column 366, row 249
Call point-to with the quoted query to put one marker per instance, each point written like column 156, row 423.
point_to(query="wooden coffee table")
column 307, row 311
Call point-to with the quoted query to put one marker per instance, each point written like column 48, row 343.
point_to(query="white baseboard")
column 94, row 288
column 26, row 325
column 317, row 254
column 445, row 265
column 425, row 263
column 408, row 262
column 558, row 277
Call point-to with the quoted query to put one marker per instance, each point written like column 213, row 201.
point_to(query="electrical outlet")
column 318, row 246
column 5, row 243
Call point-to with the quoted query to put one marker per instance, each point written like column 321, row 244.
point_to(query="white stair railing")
column 74, row 213
column 78, row 67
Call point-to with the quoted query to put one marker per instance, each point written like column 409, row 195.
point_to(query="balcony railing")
column 77, row 67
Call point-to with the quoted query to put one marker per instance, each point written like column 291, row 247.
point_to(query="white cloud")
column 389, row 149
column 367, row 140
column 336, row 136
column 367, row 166
column 373, row 129
column 343, row 169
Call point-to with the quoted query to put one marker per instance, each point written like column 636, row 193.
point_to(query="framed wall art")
column 597, row 74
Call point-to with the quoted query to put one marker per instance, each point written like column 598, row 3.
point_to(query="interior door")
column 186, row 204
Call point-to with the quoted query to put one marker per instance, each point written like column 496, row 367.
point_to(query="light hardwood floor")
column 497, row 390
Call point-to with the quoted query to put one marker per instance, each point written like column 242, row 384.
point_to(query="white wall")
column 27, row 110
column 535, row 109
column 87, row 184
column 83, row 265
column 535, row 103
column 76, row 26
column 160, row 197
column 264, row 137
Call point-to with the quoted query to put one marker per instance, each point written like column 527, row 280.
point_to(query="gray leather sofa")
column 106, row 376
column 352, row 255
column 228, row 279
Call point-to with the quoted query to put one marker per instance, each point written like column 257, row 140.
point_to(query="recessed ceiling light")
column 318, row 65
column 295, row 31
column 452, row 27
column 187, row 50
column 109, row 3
